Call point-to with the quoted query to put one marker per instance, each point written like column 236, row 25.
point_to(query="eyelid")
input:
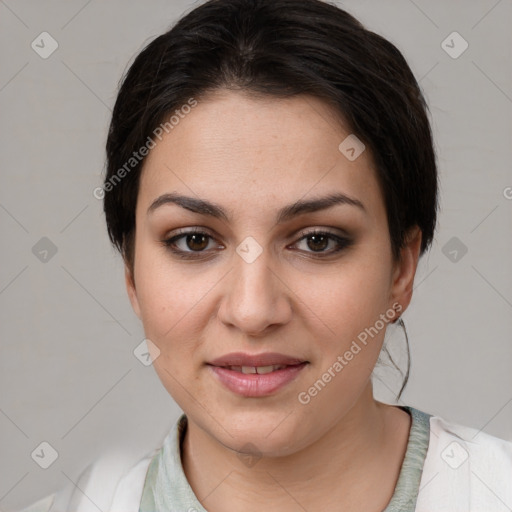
column 328, row 230
column 191, row 231
column 301, row 233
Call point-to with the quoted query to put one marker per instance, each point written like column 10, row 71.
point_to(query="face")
column 226, row 261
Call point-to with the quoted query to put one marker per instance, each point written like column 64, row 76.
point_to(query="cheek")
column 172, row 314
column 349, row 309
column 347, row 301
column 169, row 295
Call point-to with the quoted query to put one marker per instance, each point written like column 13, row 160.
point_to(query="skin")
column 343, row 450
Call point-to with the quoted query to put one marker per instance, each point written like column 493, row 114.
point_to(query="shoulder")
column 458, row 444
column 112, row 482
column 465, row 469
column 43, row 505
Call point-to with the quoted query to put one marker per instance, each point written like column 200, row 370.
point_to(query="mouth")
column 256, row 375
column 262, row 360
column 260, row 370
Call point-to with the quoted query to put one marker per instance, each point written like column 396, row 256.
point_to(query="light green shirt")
column 459, row 468
column 166, row 488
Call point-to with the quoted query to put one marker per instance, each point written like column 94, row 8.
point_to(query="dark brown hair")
column 280, row 48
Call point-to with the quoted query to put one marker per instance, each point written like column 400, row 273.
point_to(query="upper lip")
column 263, row 359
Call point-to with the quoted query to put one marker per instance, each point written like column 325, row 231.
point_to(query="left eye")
column 318, row 241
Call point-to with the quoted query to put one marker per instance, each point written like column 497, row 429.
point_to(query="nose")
column 256, row 298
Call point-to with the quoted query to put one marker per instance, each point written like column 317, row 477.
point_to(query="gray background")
column 68, row 374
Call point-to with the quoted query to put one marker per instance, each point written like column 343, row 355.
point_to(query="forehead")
column 236, row 149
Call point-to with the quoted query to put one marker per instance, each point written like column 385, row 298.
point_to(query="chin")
column 262, row 433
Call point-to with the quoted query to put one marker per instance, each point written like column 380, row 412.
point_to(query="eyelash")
column 170, row 243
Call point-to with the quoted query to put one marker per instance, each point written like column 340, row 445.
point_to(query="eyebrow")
column 286, row 213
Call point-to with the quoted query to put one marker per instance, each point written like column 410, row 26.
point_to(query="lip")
column 263, row 359
column 254, row 384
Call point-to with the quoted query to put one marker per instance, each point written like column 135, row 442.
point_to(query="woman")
column 271, row 185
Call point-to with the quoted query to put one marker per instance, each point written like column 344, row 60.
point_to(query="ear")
column 130, row 288
column 405, row 270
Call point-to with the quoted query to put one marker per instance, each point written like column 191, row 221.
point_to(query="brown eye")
column 318, row 242
column 194, row 243
column 188, row 244
column 197, row 241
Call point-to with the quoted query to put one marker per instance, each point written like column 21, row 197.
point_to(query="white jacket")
column 465, row 470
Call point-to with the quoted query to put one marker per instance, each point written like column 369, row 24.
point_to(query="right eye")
column 188, row 243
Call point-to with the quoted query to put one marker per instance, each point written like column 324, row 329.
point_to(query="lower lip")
column 255, row 385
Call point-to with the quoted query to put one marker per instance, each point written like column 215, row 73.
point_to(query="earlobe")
column 405, row 270
column 131, row 290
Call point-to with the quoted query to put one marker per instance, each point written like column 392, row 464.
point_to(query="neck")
column 342, row 470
